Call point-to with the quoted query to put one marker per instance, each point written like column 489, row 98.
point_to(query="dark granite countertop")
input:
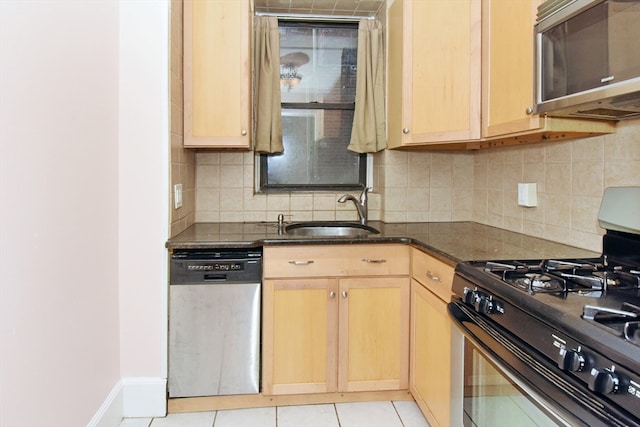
column 450, row 241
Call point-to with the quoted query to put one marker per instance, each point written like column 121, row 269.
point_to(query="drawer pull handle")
column 344, row 294
column 332, row 294
column 374, row 261
column 301, row 262
column 433, row 277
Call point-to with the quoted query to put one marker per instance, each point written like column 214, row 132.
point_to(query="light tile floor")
column 360, row 414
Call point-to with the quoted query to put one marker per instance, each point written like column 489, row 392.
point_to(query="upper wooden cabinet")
column 508, row 80
column 433, row 72
column 452, row 62
column 217, row 74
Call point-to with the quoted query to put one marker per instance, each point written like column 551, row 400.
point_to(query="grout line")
column 397, row 413
column 335, row 409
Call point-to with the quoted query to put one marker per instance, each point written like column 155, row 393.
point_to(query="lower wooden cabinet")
column 436, row 347
column 329, row 334
column 300, row 324
column 373, row 345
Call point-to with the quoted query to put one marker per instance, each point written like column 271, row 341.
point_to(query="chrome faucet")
column 361, row 204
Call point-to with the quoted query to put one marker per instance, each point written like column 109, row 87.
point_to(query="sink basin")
column 330, row 229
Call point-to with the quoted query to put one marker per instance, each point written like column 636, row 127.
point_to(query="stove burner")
column 592, row 278
column 537, row 282
column 632, row 332
column 621, row 321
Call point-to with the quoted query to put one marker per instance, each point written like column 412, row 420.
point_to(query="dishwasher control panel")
column 190, row 266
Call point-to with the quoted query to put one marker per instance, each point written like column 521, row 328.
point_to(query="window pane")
column 330, row 73
column 315, row 150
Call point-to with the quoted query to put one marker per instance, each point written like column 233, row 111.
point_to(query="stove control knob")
column 570, row 360
column 484, row 305
column 604, row 381
column 470, row 296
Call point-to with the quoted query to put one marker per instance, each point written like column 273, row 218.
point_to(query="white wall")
column 59, row 211
column 83, row 142
column 144, row 216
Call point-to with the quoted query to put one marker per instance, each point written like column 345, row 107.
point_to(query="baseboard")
column 144, row 397
column 110, row 412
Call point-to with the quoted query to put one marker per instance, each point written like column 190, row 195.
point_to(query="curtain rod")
column 309, row 17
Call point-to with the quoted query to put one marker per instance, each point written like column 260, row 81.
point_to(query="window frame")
column 364, row 165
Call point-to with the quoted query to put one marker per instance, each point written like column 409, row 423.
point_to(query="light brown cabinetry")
column 217, row 74
column 435, row 359
column 335, row 318
column 508, row 80
column 433, row 72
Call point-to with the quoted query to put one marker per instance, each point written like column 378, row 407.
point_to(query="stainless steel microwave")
column 588, row 58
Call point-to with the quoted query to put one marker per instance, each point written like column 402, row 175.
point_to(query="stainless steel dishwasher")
column 214, row 322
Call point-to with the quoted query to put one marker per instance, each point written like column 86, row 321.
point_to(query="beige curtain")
column 368, row 133
column 267, row 132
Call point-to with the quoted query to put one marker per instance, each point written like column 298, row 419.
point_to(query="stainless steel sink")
column 330, row 229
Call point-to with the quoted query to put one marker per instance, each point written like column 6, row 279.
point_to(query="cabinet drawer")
column 433, row 273
column 336, row 261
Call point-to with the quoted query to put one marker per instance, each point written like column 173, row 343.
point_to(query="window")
column 318, row 76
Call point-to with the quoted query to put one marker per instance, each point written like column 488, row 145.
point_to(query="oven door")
column 507, row 384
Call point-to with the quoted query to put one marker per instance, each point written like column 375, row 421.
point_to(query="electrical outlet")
column 177, row 196
column 527, row 194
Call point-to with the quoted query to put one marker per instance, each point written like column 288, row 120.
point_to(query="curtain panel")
column 368, row 132
column 267, row 132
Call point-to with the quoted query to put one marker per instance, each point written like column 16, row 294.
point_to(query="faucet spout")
column 360, row 204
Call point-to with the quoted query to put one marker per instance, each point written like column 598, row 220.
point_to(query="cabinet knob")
column 405, row 130
column 529, row 110
column 344, row 294
column 332, row 294
column 244, row 132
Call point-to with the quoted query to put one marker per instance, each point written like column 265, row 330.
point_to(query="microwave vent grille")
column 607, row 113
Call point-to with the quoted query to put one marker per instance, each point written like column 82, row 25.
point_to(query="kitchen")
column 125, row 341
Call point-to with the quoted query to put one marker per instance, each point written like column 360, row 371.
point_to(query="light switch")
column 177, row 196
column 528, row 194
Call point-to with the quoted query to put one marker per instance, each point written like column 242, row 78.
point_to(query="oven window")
column 492, row 399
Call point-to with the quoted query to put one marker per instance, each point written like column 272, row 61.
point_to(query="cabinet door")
column 433, row 273
column 434, row 72
column 299, row 343
column 217, row 73
column 508, row 81
column 374, row 340
column 508, row 66
column 433, row 363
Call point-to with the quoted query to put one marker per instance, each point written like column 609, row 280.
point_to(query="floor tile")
column 190, row 419
column 410, row 414
column 367, row 414
column 307, row 416
column 262, row 417
column 135, row 422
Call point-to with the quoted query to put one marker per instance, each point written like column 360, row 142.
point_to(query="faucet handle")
column 363, row 195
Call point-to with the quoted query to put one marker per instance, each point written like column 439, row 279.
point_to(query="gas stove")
column 598, row 290
column 580, row 318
